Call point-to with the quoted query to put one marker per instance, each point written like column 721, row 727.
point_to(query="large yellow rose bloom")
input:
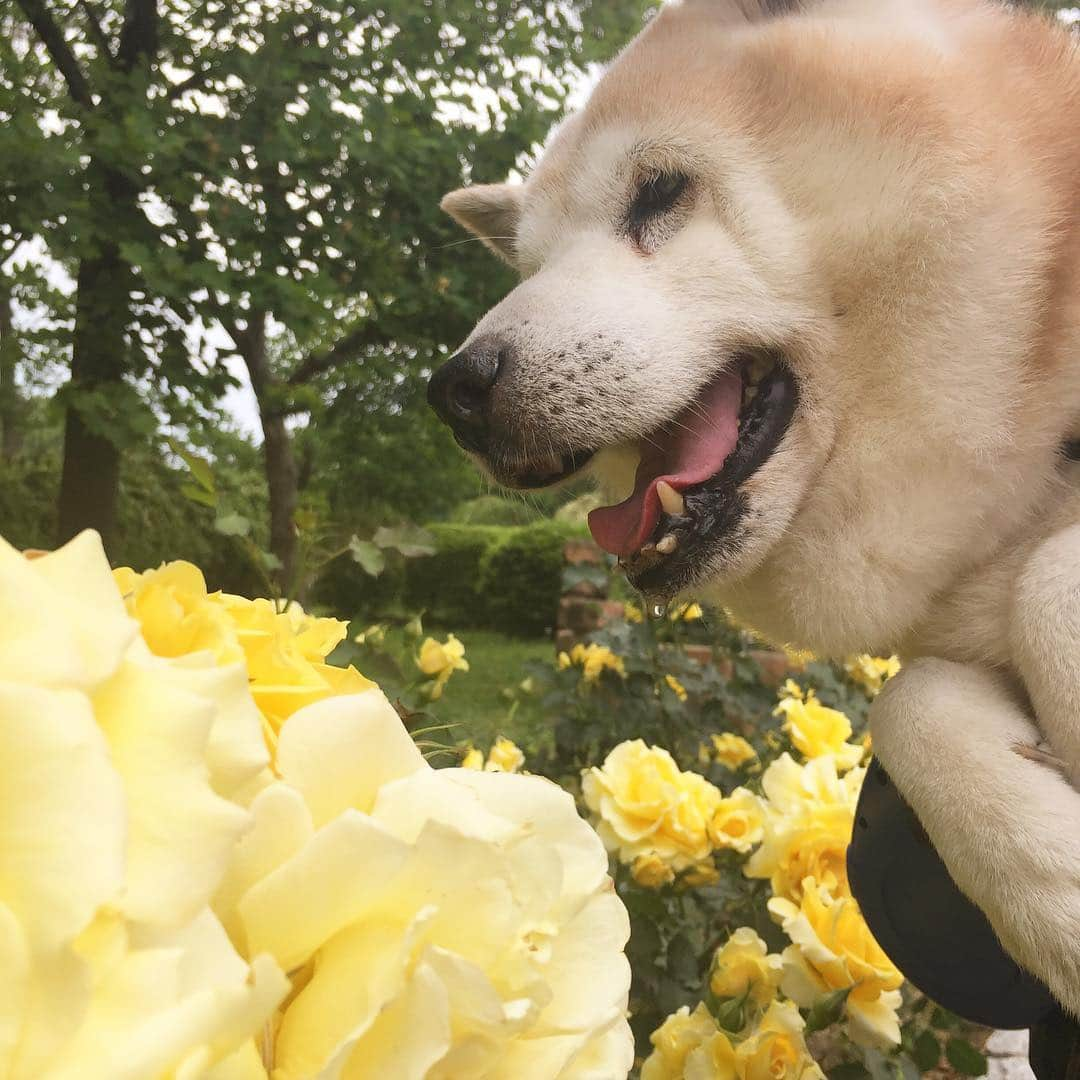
column 116, row 827
column 438, row 923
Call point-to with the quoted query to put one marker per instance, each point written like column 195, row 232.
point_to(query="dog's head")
column 740, row 311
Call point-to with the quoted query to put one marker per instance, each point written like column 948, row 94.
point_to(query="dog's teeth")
column 671, row 500
column 668, row 544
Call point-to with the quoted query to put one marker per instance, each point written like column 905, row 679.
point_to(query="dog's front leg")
column 1007, row 828
column 1045, row 631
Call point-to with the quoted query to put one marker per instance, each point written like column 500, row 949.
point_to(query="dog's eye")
column 655, row 197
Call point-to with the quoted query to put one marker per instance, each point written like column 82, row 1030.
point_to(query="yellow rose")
column 504, row 756
column 284, row 651
column 777, row 1048
column 832, row 949
column 646, row 805
column 809, row 812
column 440, row 661
column 739, row 821
column 871, row 672
column 594, row 660
column 473, row 759
column 732, row 751
column 817, row 731
column 116, row 827
column 686, row 613
column 744, row 967
column 445, row 922
column 651, row 871
column 676, row 687
column 685, row 1035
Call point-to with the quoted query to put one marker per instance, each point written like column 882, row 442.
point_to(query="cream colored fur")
column 889, row 191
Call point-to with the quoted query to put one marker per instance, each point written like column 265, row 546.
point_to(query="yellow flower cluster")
column 439, row 662
column 118, row 820
column 816, row 730
column 504, row 756
column 871, row 672
column 158, row 879
column 691, row 1046
column 284, row 650
column 797, row 837
column 594, row 660
column 645, row 805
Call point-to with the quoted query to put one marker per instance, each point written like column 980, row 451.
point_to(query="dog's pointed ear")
column 490, row 212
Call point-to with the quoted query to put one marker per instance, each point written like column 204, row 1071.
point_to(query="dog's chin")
column 687, row 521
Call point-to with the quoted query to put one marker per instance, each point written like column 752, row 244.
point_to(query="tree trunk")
column 278, row 459
column 91, row 472
column 10, row 436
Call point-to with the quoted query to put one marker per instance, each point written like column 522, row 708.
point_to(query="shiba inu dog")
column 801, row 288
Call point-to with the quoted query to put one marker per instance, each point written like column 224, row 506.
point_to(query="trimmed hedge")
column 450, row 584
column 491, row 577
column 522, row 579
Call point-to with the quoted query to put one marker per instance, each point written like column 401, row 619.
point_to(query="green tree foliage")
column 269, row 174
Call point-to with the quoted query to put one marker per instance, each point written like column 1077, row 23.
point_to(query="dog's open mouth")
column 686, row 497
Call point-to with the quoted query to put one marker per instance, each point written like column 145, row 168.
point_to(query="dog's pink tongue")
column 690, row 450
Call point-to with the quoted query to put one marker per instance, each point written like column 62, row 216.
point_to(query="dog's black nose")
column 460, row 391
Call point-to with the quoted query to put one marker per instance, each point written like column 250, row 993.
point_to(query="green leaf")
column 827, row 1010
column 730, row 1013
column 927, row 1051
column 198, row 494
column 412, row 541
column 964, row 1058
column 233, row 525
column 944, row 1020
column 270, row 560
column 367, row 556
column 199, row 468
column 850, row 1070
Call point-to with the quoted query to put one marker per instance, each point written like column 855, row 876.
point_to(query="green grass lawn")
column 475, row 698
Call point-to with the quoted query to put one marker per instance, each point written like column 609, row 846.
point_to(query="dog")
column 801, row 290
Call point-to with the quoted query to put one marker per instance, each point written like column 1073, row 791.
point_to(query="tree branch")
column 96, row 31
column 52, row 38
column 317, row 364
